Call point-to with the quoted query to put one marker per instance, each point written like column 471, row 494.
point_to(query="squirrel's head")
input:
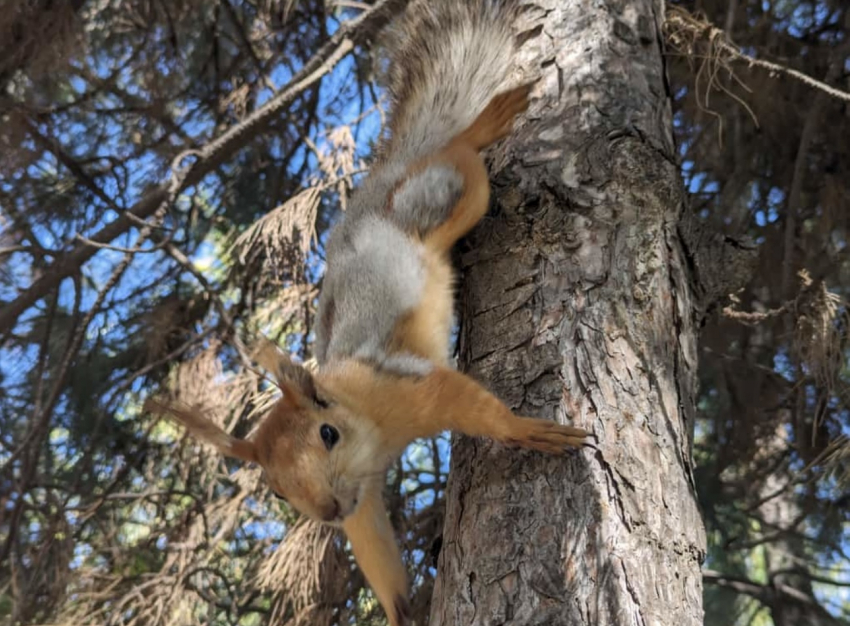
column 315, row 453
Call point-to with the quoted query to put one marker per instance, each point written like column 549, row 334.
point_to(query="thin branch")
column 107, row 246
column 781, row 69
column 769, row 594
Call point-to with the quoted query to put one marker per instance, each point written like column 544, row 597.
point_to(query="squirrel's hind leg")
column 462, row 153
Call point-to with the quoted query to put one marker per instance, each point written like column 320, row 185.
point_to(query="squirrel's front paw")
column 544, row 435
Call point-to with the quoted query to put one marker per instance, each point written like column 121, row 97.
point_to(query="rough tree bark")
column 576, row 302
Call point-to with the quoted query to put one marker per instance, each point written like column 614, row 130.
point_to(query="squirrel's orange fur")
column 423, row 331
column 326, row 444
column 378, row 413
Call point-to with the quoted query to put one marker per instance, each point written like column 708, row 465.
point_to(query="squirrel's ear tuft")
column 294, row 379
column 204, row 429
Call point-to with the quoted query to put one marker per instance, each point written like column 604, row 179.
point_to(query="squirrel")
column 386, row 306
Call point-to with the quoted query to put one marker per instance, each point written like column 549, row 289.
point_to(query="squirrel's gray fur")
column 447, row 59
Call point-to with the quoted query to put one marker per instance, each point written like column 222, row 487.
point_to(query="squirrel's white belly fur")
column 395, row 273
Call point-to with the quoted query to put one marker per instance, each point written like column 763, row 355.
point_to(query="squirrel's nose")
column 332, row 513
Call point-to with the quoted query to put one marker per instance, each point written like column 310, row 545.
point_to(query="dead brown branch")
column 700, row 42
column 695, row 37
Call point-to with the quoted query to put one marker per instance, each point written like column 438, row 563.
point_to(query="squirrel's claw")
column 545, row 436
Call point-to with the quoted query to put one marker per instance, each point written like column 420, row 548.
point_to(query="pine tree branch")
column 739, row 585
column 769, row 594
column 217, row 151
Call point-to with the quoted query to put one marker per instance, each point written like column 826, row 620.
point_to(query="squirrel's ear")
column 295, row 380
column 205, row 430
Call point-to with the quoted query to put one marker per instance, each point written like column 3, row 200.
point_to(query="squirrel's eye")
column 329, row 434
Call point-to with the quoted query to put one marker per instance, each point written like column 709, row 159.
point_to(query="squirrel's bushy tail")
column 448, row 58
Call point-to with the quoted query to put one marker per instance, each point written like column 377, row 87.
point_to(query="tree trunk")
column 789, row 593
column 576, row 303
